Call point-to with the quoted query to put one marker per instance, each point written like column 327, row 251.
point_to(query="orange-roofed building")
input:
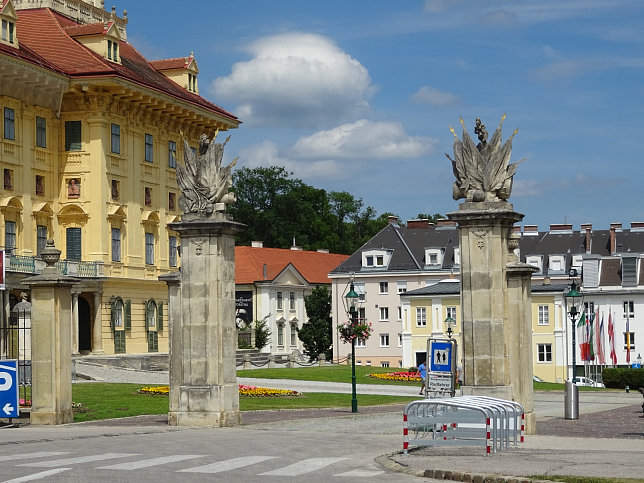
column 271, row 284
column 89, row 142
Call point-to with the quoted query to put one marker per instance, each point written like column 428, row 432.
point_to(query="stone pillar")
column 51, row 364
column 203, row 378
column 74, row 322
column 97, row 326
column 495, row 302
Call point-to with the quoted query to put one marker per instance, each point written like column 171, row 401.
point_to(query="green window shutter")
column 74, row 239
column 128, row 315
column 73, row 141
column 119, row 342
column 112, row 314
column 148, row 307
column 153, row 341
column 160, row 316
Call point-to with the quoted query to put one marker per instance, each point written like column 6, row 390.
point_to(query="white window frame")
column 402, row 286
column 450, row 311
column 383, row 287
column 421, row 316
column 384, row 340
column 544, row 353
column 544, row 315
column 384, row 314
column 361, row 343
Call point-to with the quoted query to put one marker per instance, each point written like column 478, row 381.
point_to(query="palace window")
column 116, row 139
column 41, row 238
column 147, row 194
column 293, row 334
column 10, row 235
column 384, row 287
column 73, row 136
column 8, row 31
column 172, row 257
column 384, row 314
column 112, row 50
column 149, row 248
column 116, row 244
column 384, row 340
column 280, row 301
column 280, row 334
column 73, row 237
column 41, row 132
column 291, row 300
column 9, row 124
column 451, row 312
column 172, row 154
column 421, row 316
column 172, row 201
column 149, row 148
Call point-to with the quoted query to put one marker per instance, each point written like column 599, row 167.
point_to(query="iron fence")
column 15, row 343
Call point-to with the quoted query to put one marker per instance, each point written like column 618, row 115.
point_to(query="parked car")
column 537, row 379
column 584, row 381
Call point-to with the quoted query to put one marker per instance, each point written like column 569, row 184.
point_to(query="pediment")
column 290, row 276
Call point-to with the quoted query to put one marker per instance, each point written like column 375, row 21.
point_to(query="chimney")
column 560, row 227
column 257, row 244
column 296, row 248
column 613, row 245
column 530, row 230
column 444, row 222
column 392, row 219
column 516, row 229
column 616, row 226
column 588, row 227
column 637, row 226
column 323, row 250
column 418, row 223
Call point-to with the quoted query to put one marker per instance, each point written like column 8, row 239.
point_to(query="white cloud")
column 363, row 140
column 435, row 97
column 296, row 80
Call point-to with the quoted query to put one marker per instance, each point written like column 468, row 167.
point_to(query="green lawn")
column 335, row 373
column 99, row 400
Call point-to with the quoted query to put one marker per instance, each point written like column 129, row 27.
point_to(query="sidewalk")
column 607, row 440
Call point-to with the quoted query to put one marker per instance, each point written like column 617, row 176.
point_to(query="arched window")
column 293, row 334
column 280, row 334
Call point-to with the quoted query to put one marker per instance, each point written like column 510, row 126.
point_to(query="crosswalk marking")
column 361, row 473
column 38, row 454
column 227, row 465
column 301, row 467
column 37, row 476
column 161, row 460
column 79, row 459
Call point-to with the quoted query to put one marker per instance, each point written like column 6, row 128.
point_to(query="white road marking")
column 161, row 460
column 37, row 476
column 37, row 454
column 227, row 465
column 304, row 466
column 80, row 459
column 361, row 473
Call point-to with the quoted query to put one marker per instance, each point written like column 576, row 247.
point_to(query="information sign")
column 9, row 403
column 440, row 353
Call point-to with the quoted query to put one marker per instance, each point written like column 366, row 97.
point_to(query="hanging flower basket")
column 359, row 330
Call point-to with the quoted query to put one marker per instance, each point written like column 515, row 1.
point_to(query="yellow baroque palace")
column 90, row 138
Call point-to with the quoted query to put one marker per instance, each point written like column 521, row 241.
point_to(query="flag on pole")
column 582, row 335
column 628, row 341
column 591, row 337
column 611, row 340
column 601, row 356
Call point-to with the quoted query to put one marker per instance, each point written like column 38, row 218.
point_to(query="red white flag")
column 628, row 341
column 601, row 357
column 611, row 339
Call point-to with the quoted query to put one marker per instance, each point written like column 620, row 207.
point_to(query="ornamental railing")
column 74, row 268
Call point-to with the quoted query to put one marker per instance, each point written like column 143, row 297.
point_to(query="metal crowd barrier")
column 464, row 421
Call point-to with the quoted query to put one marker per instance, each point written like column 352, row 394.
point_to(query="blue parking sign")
column 9, row 403
column 440, row 353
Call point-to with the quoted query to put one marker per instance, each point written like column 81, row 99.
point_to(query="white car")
column 584, row 381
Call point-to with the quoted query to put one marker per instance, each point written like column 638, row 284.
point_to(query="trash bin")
column 571, row 401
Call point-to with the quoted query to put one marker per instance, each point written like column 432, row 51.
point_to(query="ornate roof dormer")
column 8, row 20
column 181, row 70
column 102, row 38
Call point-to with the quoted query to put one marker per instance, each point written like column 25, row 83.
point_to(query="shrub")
column 620, row 377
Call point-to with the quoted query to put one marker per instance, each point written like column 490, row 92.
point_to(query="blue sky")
column 359, row 96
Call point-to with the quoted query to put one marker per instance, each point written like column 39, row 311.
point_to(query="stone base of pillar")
column 51, row 417
column 502, row 392
column 100, row 352
column 206, row 406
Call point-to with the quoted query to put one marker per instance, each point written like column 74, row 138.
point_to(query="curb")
column 387, row 463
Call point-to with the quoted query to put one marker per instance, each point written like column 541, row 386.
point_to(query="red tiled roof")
column 87, row 29
column 166, row 64
column 313, row 266
column 46, row 34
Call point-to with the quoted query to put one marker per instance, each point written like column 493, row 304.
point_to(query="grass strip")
column 99, row 400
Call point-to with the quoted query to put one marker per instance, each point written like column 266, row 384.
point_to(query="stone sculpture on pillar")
column 495, row 285
column 203, row 379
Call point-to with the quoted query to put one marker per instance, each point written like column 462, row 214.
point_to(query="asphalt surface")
column 606, row 441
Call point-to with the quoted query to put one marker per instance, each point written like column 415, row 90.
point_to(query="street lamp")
column 573, row 300
column 351, row 299
column 449, row 322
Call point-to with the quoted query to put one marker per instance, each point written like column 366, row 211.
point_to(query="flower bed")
column 246, row 391
column 398, row 376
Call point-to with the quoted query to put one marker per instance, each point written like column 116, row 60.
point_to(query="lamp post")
column 449, row 322
column 573, row 300
column 351, row 300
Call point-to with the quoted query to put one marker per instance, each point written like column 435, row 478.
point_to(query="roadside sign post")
column 441, row 366
column 9, row 402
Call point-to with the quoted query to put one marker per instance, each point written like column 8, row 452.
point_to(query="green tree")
column 317, row 333
column 262, row 333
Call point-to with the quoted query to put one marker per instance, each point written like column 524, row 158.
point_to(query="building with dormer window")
column 89, row 142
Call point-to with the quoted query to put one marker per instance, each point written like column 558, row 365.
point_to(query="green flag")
column 582, row 319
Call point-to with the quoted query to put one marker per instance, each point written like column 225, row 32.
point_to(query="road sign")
column 9, row 403
column 440, row 353
column 439, row 383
